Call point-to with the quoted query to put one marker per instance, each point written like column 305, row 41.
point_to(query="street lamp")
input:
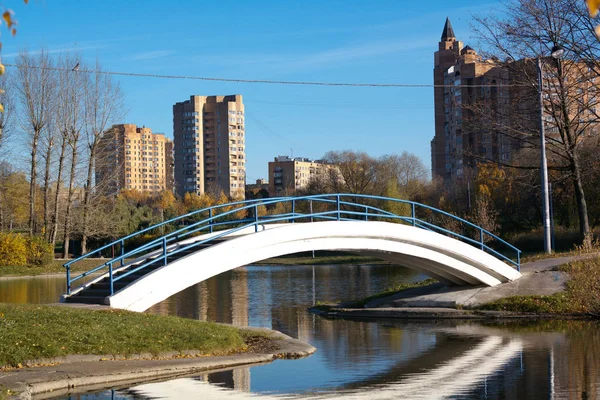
column 556, row 53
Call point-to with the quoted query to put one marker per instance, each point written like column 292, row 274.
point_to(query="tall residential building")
column 134, row 158
column 209, row 138
column 464, row 81
column 286, row 175
column 488, row 110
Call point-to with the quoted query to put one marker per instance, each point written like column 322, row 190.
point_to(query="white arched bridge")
column 199, row 245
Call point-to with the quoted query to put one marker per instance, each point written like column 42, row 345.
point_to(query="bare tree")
column 34, row 91
column 48, row 142
column 528, row 30
column 6, row 117
column 74, row 84
column 357, row 169
column 356, row 172
column 64, row 118
column 103, row 107
column 407, row 171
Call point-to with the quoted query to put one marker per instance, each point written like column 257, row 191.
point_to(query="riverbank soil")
column 565, row 286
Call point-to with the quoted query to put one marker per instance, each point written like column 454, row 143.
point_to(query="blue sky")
column 377, row 41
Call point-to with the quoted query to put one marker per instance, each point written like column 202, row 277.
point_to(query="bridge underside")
column 438, row 256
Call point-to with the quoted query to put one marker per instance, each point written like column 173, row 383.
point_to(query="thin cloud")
column 293, row 62
column 65, row 48
column 358, row 52
column 151, row 55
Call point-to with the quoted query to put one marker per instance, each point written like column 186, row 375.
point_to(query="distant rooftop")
column 298, row 159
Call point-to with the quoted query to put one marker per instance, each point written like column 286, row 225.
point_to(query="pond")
column 362, row 359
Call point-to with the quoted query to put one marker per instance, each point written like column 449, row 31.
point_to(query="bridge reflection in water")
column 444, row 372
column 381, row 360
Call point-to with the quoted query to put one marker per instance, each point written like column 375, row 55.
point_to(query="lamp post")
column 556, row 53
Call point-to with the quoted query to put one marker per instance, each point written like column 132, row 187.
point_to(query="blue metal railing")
column 225, row 219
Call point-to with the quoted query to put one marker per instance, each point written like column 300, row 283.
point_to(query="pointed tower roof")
column 448, row 32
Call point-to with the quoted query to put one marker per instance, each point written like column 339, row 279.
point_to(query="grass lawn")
column 387, row 292
column 581, row 297
column 320, row 260
column 55, row 267
column 394, row 290
column 30, row 332
column 529, row 257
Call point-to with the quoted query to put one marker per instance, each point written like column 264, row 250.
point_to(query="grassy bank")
column 30, row 332
column 321, row 260
column 395, row 290
column 570, row 253
column 55, row 267
column 388, row 292
column 581, row 297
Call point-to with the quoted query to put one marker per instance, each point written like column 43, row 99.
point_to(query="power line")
column 340, row 105
column 266, row 81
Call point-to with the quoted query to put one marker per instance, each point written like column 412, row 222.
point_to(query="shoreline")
column 257, row 264
column 437, row 313
column 83, row 373
column 437, row 301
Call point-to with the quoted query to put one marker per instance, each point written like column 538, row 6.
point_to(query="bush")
column 39, row 252
column 13, row 250
column 19, row 250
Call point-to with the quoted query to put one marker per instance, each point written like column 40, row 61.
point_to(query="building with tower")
column 488, row 110
column 209, row 138
column 463, row 81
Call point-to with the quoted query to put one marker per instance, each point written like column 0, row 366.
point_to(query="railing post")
column 481, row 237
column 68, row 279
column 337, row 203
column 110, row 277
column 122, row 251
column 366, row 213
column 210, row 221
column 519, row 260
column 255, row 218
column 414, row 222
column 165, row 250
column 312, row 219
column 293, row 210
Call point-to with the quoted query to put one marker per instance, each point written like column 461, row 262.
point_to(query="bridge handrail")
column 158, row 225
column 212, row 221
column 182, row 231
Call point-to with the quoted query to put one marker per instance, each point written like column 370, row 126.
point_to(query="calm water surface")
column 378, row 360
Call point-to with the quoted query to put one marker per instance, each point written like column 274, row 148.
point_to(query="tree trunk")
column 67, row 227
column 87, row 198
column 47, row 190
column 61, row 161
column 584, row 224
column 34, row 146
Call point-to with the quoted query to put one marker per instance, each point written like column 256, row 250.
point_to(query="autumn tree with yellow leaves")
column 11, row 23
